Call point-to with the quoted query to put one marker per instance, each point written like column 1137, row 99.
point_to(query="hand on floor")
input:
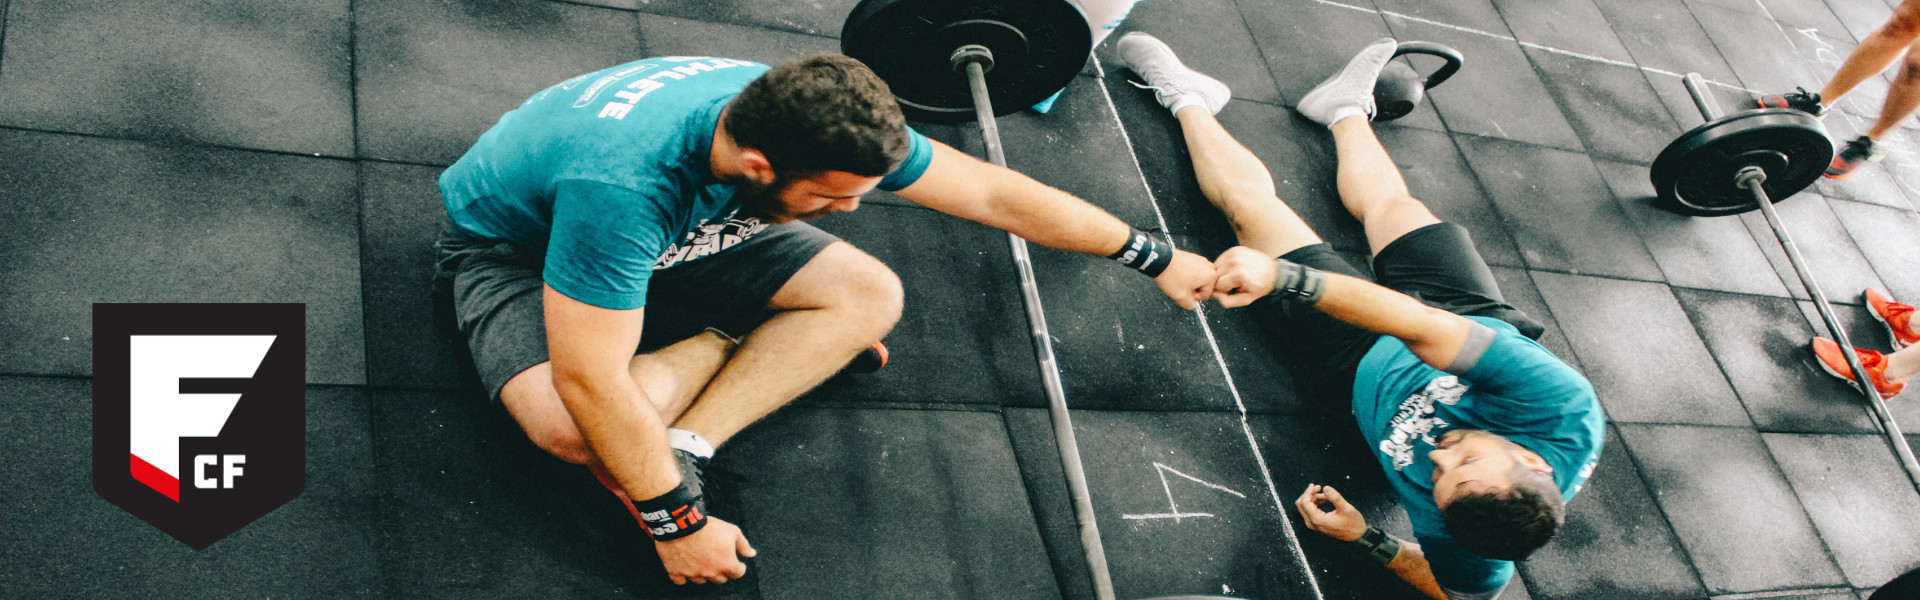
column 711, row 555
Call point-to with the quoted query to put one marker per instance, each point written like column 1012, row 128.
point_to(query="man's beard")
column 762, row 201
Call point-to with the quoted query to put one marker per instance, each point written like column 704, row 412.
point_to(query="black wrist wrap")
column 681, row 512
column 1299, row 282
column 1144, row 253
column 1380, row 546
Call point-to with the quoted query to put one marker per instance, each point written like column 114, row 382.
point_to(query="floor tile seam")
column 1784, row 593
column 781, row 30
column 590, row 5
column 1654, row 494
column 1851, row 237
column 1790, row 287
column 396, row 161
column 962, row 407
column 1060, row 576
column 1226, row 372
column 1716, row 47
column 176, row 144
column 1258, row 49
column 4, row 6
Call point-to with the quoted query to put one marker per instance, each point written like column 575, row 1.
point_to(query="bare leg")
column 1902, row 98
column 1238, row 184
column 1875, row 53
column 1903, row 364
column 836, row 306
column 1371, row 186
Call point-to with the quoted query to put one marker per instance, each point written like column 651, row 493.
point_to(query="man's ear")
column 756, row 166
column 1531, row 459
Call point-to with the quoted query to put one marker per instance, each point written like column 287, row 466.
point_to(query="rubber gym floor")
column 285, row 151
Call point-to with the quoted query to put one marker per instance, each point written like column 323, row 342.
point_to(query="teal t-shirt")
column 1515, row 389
column 608, row 174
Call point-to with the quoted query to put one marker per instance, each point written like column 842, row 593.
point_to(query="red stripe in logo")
column 155, row 478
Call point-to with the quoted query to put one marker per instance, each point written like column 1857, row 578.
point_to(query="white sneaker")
column 1174, row 84
column 1349, row 92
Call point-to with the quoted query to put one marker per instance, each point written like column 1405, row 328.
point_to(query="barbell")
column 1750, row 160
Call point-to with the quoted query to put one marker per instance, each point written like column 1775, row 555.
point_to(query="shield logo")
column 199, row 413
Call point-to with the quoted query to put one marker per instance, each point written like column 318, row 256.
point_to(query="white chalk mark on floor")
column 1239, row 406
column 1173, row 507
column 1541, row 47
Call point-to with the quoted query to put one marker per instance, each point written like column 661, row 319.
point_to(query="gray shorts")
column 496, row 289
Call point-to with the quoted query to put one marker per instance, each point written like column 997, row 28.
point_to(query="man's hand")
column 1344, row 523
column 711, row 555
column 1188, row 280
column 1244, row 275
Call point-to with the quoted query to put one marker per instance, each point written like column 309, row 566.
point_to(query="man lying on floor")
column 681, row 182
column 1482, row 432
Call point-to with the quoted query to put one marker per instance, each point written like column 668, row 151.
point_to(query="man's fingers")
column 677, row 580
column 1335, row 497
column 1234, row 299
column 736, row 570
column 745, row 549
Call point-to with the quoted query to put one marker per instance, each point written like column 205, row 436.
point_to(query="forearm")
column 1411, row 566
column 1434, row 335
column 624, row 431
column 1050, row 217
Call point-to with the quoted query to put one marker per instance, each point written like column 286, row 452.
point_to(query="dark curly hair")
column 1508, row 525
column 823, row 112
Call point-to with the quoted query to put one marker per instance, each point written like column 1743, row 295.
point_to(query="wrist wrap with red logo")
column 681, row 512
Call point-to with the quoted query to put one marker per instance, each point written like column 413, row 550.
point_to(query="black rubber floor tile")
column 1859, row 498
column 1731, row 507
column 669, row 36
column 1079, row 148
column 1142, row 470
column 1498, row 94
column 1872, row 184
column 63, row 540
column 1824, row 243
column 1560, row 212
column 433, row 76
column 1612, row 107
column 1663, row 34
column 1886, row 236
column 1577, row 27
column 1517, row 285
column 1727, row 94
column 1306, row 42
column 622, row 4
column 1615, row 543
column 1209, row 36
column 1478, row 15
column 1637, row 346
column 1861, row 18
column 98, row 220
column 1257, row 361
column 412, row 340
column 962, row 336
column 1760, row 51
column 1715, row 253
column 266, row 75
column 888, row 504
column 814, row 18
column 471, row 508
column 1439, row 176
column 1802, row 20
column 1121, row 343
column 1761, row 345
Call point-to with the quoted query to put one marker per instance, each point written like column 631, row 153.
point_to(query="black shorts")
column 496, row 291
column 1436, row 264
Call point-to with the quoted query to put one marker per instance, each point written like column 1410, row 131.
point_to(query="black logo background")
column 268, row 425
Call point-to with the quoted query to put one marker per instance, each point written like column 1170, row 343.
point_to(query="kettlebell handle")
column 1451, row 55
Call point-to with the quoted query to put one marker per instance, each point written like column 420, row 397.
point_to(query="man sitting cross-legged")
column 601, row 203
column 1482, row 432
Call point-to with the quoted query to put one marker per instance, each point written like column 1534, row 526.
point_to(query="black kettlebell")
column 1400, row 88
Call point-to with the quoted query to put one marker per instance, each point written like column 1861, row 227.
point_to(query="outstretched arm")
column 1434, row 335
column 965, row 187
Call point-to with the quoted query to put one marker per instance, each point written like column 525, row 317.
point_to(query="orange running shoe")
column 1896, row 316
column 1835, row 364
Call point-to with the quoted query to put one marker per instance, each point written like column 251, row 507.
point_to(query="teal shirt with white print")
column 608, row 174
column 1515, row 388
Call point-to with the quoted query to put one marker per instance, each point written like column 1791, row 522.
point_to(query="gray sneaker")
column 1174, row 84
column 1349, row 92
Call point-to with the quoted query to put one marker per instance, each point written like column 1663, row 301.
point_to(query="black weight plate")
column 1694, row 175
column 1038, row 47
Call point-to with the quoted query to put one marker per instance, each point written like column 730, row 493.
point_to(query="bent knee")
column 537, row 407
column 868, row 286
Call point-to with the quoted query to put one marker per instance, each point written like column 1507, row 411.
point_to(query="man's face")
column 804, row 198
column 1469, row 461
